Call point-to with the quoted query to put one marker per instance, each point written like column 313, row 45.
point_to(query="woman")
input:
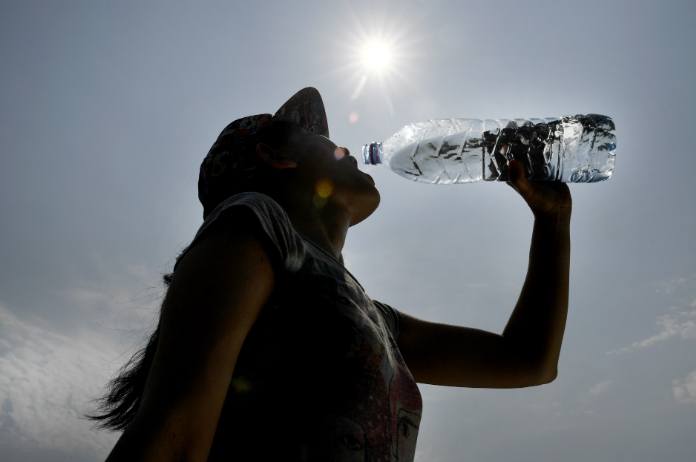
column 268, row 348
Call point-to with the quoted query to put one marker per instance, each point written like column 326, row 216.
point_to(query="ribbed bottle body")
column 572, row 149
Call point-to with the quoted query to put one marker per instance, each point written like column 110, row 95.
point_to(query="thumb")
column 517, row 174
column 514, row 171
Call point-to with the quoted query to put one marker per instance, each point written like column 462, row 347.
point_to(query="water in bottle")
column 571, row 149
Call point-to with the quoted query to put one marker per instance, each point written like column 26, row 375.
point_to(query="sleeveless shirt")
column 319, row 376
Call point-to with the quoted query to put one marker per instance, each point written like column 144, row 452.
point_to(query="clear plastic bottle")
column 571, row 149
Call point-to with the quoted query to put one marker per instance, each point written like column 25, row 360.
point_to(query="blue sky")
column 107, row 109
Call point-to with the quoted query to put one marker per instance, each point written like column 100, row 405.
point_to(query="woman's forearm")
column 536, row 326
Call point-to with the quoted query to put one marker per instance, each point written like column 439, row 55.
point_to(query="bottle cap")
column 372, row 153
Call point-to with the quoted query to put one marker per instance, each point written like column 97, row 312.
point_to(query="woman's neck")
column 325, row 226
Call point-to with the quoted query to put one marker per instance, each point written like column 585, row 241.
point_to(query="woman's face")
column 334, row 176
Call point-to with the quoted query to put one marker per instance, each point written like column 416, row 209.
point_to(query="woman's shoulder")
column 266, row 218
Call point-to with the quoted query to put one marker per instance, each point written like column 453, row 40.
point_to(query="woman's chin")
column 366, row 205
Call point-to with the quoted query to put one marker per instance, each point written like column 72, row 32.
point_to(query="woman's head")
column 288, row 158
column 231, row 165
column 312, row 170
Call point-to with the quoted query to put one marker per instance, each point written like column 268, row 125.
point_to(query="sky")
column 107, row 109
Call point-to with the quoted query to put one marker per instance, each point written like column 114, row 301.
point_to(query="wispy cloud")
column 684, row 390
column 680, row 323
column 600, row 388
column 676, row 285
column 46, row 382
column 126, row 302
column 50, row 373
column 588, row 402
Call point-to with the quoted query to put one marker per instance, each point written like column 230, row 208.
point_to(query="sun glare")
column 376, row 56
column 380, row 54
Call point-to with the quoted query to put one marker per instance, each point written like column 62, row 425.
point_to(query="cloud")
column 126, row 301
column 600, row 388
column 587, row 403
column 53, row 366
column 679, row 323
column 684, row 390
column 676, row 285
column 47, row 380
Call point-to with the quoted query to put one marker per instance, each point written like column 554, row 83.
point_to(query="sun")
column 376, row 56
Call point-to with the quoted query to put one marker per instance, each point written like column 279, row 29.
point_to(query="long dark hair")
column 121, row 402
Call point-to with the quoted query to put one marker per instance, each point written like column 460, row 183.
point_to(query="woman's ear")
column 273, row 158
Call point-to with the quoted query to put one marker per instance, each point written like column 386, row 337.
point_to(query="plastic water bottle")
column 572, row 149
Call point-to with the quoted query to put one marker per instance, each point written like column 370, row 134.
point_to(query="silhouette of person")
column 268, row 348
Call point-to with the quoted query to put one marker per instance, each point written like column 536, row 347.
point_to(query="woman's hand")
column 545, row 198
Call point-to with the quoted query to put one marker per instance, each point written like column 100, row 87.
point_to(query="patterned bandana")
column 232, row 160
